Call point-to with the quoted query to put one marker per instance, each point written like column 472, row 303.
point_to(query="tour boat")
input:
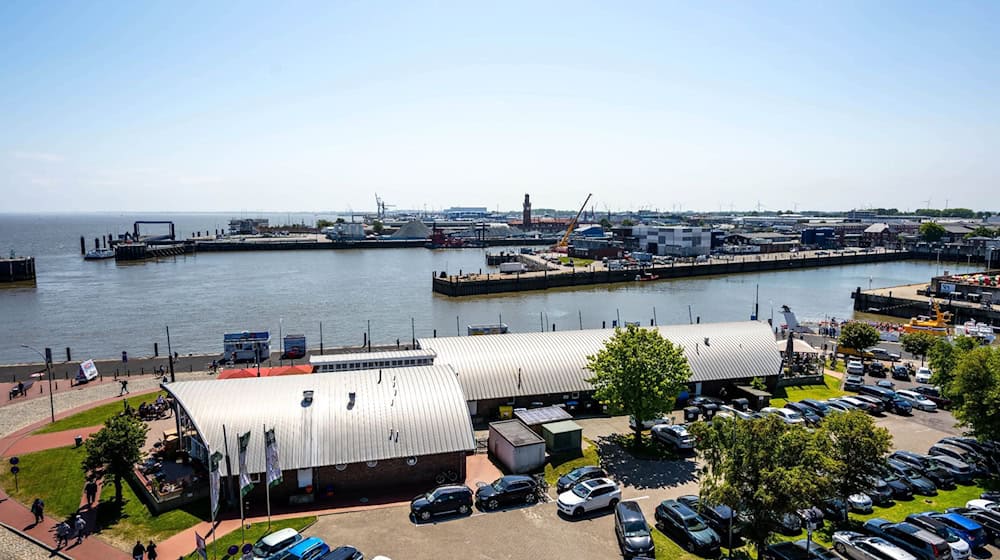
column 938, row 325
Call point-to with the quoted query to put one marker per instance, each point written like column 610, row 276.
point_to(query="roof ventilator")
column 351, row 398
column 307, row 398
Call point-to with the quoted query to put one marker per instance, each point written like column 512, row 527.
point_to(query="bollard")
column 156, row 349
column 142, row 370
column 435, row 333
column 190, row 368
column 604, row 324
column 69, row 357
column 57, row 386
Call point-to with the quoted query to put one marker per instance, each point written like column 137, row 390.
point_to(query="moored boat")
column 99, row 254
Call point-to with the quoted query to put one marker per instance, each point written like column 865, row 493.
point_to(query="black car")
column 853, row 382
column 578, row 475
column 927, row 467
column 821, row 408
column 807, row 412
column 816, row 551
column 900, row 372
column 901, row 490
column 442, row 500
column 934, row 395
column 880, row 492
column 634, row 538
column 343, row 553
column 786, row 550
column 973, row 446
column 876, row 372
column 920, row 484
column 507, row 490
column 687, row 527
column 719, row 517
column 990, row 521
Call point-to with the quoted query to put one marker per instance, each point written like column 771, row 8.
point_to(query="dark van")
column 887, row 396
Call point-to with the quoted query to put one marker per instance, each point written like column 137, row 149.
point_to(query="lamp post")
column 47, row 357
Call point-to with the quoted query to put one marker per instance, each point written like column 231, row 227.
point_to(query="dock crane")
column 561, row 246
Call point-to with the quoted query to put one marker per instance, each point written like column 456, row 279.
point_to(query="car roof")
column 279, row 536
column 629, row 511
column 305, row 545
column 587, row 468
column 340, row 553
column 958, row 519
column 596, row 483
column 516, row 478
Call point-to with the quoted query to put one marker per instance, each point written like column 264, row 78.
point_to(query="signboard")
column 946, row 288
column 87, row 372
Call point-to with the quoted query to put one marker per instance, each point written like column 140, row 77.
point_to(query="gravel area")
column 14, row 547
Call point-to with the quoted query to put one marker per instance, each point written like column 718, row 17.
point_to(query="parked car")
column 874, row 401
column 787, row 416
column 984, row 456
column 934, row 394
column 443, row 500
column 884, row 354
column 589, row 495
column 820, row 407
column 900, row 406
column 647, row 424
column 885, row 384
column 859, row 404
column 990, row 521
column 960, row 550
column 927, row 467
column 687, row 528
column 274, row 545
column 632, row 531
column 969, row 530
column 881, row 372
column 958, row 469
column 853, row 382
column 881, row 393
column 855, row 546
column 808, row 414
column 816, row 551
column 918, row 542
column 917, row 400
column 923, row 375
column 718, row 517
column 985, row 505
column 343, row 553
column 855, row 367
column 900, row 488
column 307, row 549
column 578, row 475
column 920, row 484
column 880, row 492
column 876, row 367
column 507, row 490
column 673, row 435
column 900, row 372
column 837, row 405
column 972, row 459
column 786, row 550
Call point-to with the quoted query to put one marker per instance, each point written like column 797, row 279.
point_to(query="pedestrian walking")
column 138, row 551
column 62, row 534
column 124, row 390
column 80, row 525
column 90, row 489
column 38, row 508
column 151, row 551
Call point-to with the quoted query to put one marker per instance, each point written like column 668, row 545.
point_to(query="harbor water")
column 101, row 308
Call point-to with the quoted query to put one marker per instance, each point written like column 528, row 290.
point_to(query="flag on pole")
column 213, row 481
column 245, row 485
column 271, row 458
column 199, row 543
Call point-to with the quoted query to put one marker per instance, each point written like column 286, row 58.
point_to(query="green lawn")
column 95, row 416
column 134, row 521
column 54, row 475
column 667, row 549
column 576, row 261
column 558, row 465
column 253, row 534
column 829, row 389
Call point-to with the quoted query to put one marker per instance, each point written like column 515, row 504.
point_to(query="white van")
column 87, row 372
column 273, row 546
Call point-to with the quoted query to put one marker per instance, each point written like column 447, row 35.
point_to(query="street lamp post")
column 47, row 357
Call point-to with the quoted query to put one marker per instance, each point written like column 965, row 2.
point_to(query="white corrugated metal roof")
column 424, row 405
column 525, row 364
column 370, row 356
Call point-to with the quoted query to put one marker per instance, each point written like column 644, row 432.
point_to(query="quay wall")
column 456, row 286
column 18, row 269
column 904, row 308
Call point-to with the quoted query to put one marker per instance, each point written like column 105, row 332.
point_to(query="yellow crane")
column 561, row 246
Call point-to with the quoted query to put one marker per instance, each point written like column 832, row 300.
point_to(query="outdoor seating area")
column 804, row 361
column 168, row 476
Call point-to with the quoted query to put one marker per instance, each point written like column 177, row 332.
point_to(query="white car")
column 735, row 412
column 674, row 435
column 274, row 545
column 985, row 505
column 860, row 503
column 787, row 415
column 855, row 546
column 917, row 400
column 589, row 495
column 923, row 375
column 854, row 367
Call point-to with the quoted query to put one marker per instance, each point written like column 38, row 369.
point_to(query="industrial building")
column 674, row 241
column 544, row 368
column 345, row 432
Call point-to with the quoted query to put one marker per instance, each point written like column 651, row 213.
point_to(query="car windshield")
column 500, row 485
column 695, row 524
column 635, row 529
column 575, row 475
column 890, row 477
column 264, row 550
column 581, row 491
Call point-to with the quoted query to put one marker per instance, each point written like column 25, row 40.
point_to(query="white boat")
column 99, row 254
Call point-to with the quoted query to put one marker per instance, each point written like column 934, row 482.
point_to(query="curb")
column 52, row 552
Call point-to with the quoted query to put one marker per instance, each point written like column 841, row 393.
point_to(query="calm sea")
column 101, row 308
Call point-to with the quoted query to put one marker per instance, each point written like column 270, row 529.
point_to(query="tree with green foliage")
column 639, row 372
column 977, row 382
column 320, row 224
column 763, row 469
column 858, row 336
column 627, row 222
column 944, row 357
column 858, row 448
column 918, row 343
column 605, row 223
column 931, row 231
column 981, row 231
column 377, row 227
column 115, row 450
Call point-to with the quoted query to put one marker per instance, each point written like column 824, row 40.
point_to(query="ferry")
column 938, row 326
column 99, row 254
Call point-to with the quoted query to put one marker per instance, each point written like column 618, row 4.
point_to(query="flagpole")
column 267, row 484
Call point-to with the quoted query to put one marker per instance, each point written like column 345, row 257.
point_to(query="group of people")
column 76, row 526
column 149, row 551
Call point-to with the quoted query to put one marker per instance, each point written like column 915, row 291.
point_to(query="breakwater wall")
column 881, row 303
column 473, row 285
column 17, row 269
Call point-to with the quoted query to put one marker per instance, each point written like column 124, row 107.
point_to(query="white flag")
column 245, row 485
column 271, row 457
column 213, row 481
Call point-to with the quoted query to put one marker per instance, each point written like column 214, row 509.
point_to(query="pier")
column 911, row 300
column 17, row 269
column 494, row 283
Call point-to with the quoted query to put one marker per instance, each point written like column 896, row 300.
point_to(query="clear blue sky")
column 316, row 106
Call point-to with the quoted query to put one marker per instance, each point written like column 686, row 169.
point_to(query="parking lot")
column 540, row 532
